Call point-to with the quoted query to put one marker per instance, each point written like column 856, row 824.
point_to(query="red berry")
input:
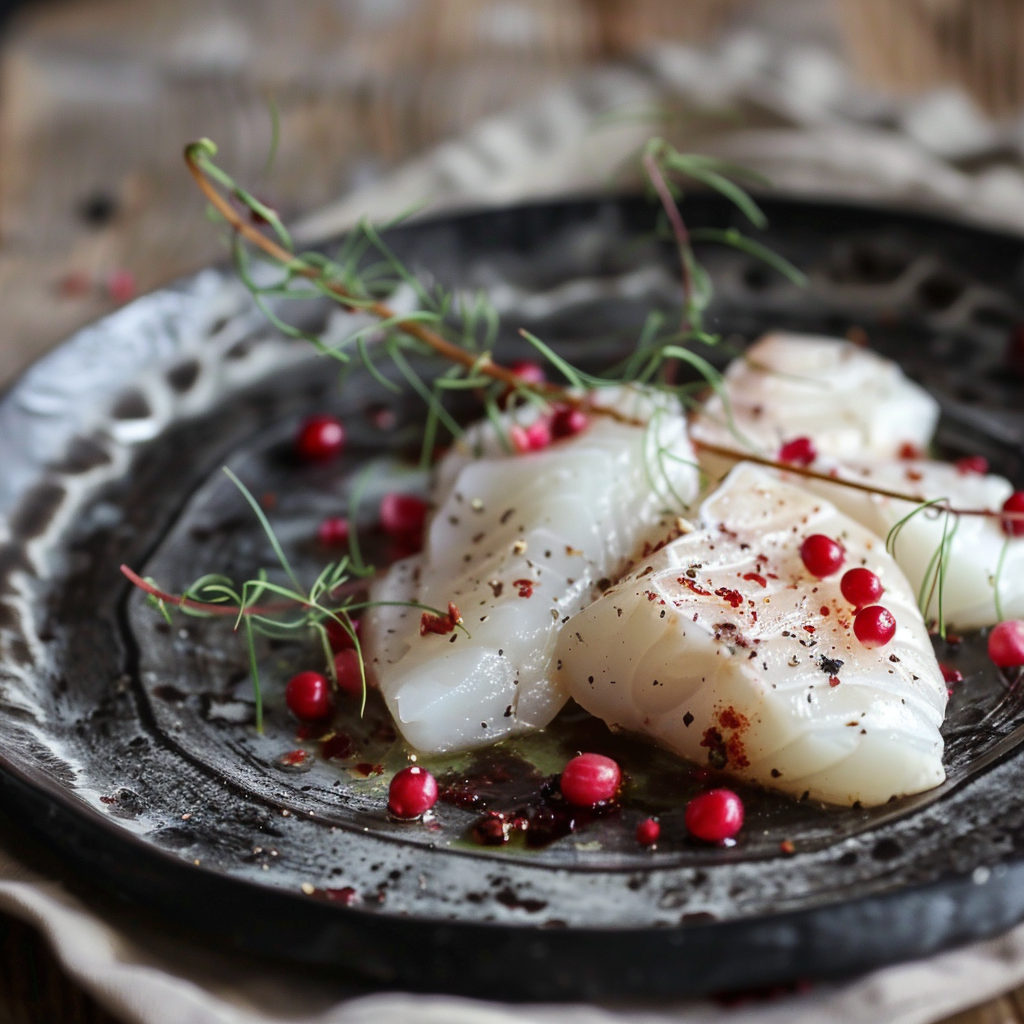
column 528, row 371
column 798, row 452
column 333, row 533
column 402, row 515
column 861, row 587
column 121, row 286
column 874, row 626
column 568, row 421
column 821, row 555
column 1006, row 643
column 1014, row 503
column 320, row 439
column 648, row 832
column 346, row 668
column 412, row 792
column 972, row 464
column 339, row 635
column 715, row 815
column 533, row 438
column 308, row 696
column 590, row 779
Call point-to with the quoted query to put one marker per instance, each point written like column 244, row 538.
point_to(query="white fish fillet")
column 519, row 543
column 849, row 400
column 975, row 544
column 692, row 650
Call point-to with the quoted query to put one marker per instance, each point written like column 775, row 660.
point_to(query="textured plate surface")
column 130, row 745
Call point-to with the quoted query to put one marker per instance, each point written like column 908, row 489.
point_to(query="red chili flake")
column 730, row 718
column 808, row 629
column 731, row 596
column 293, row 758
column 972, row 464
column 825, row 610
column 737, row 755
column 268, row 499
column 913, row 475
column 787, row 847
column 910, row 451
column 693, row 586
column 833, row 680
column 440, row 624
column 756, row 577
column 525, row 587
column 950, row 674
column 366, row 769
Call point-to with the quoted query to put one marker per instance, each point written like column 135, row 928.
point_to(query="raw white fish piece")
column 849, row 400
column 724, row 649
column 975, row 544
column 520, row 543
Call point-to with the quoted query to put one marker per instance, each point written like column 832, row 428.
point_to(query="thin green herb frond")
column 893, row 535
column 736, row 239
column 997, row 578
column 267, row 528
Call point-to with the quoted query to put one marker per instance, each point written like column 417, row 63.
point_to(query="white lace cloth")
column 812, row 132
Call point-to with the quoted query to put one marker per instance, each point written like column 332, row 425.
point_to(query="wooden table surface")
column 97, row 99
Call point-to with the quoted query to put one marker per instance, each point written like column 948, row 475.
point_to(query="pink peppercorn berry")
column 346, row 668
column 874, row 626
column 861, row 587
column 320, row 439
column 534, row 438
column 798, row 452
column 333, row 532
column 714, row 816
column 568, row 422
column 528, row 371
column 413, row 791
column 972, row 464
column 1006, row 644
column 821, row 555
column 648, row 832
column 339, row 636
column 1014, row 503
column 402, row 515
column 308, row 696
column 590, row 779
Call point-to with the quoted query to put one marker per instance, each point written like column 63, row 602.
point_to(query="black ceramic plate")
column 129, row 745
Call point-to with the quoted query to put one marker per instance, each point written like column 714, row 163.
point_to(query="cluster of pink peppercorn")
column 873, row 625
column 587, row 781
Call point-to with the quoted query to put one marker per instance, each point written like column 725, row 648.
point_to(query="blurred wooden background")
column 97, row 98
